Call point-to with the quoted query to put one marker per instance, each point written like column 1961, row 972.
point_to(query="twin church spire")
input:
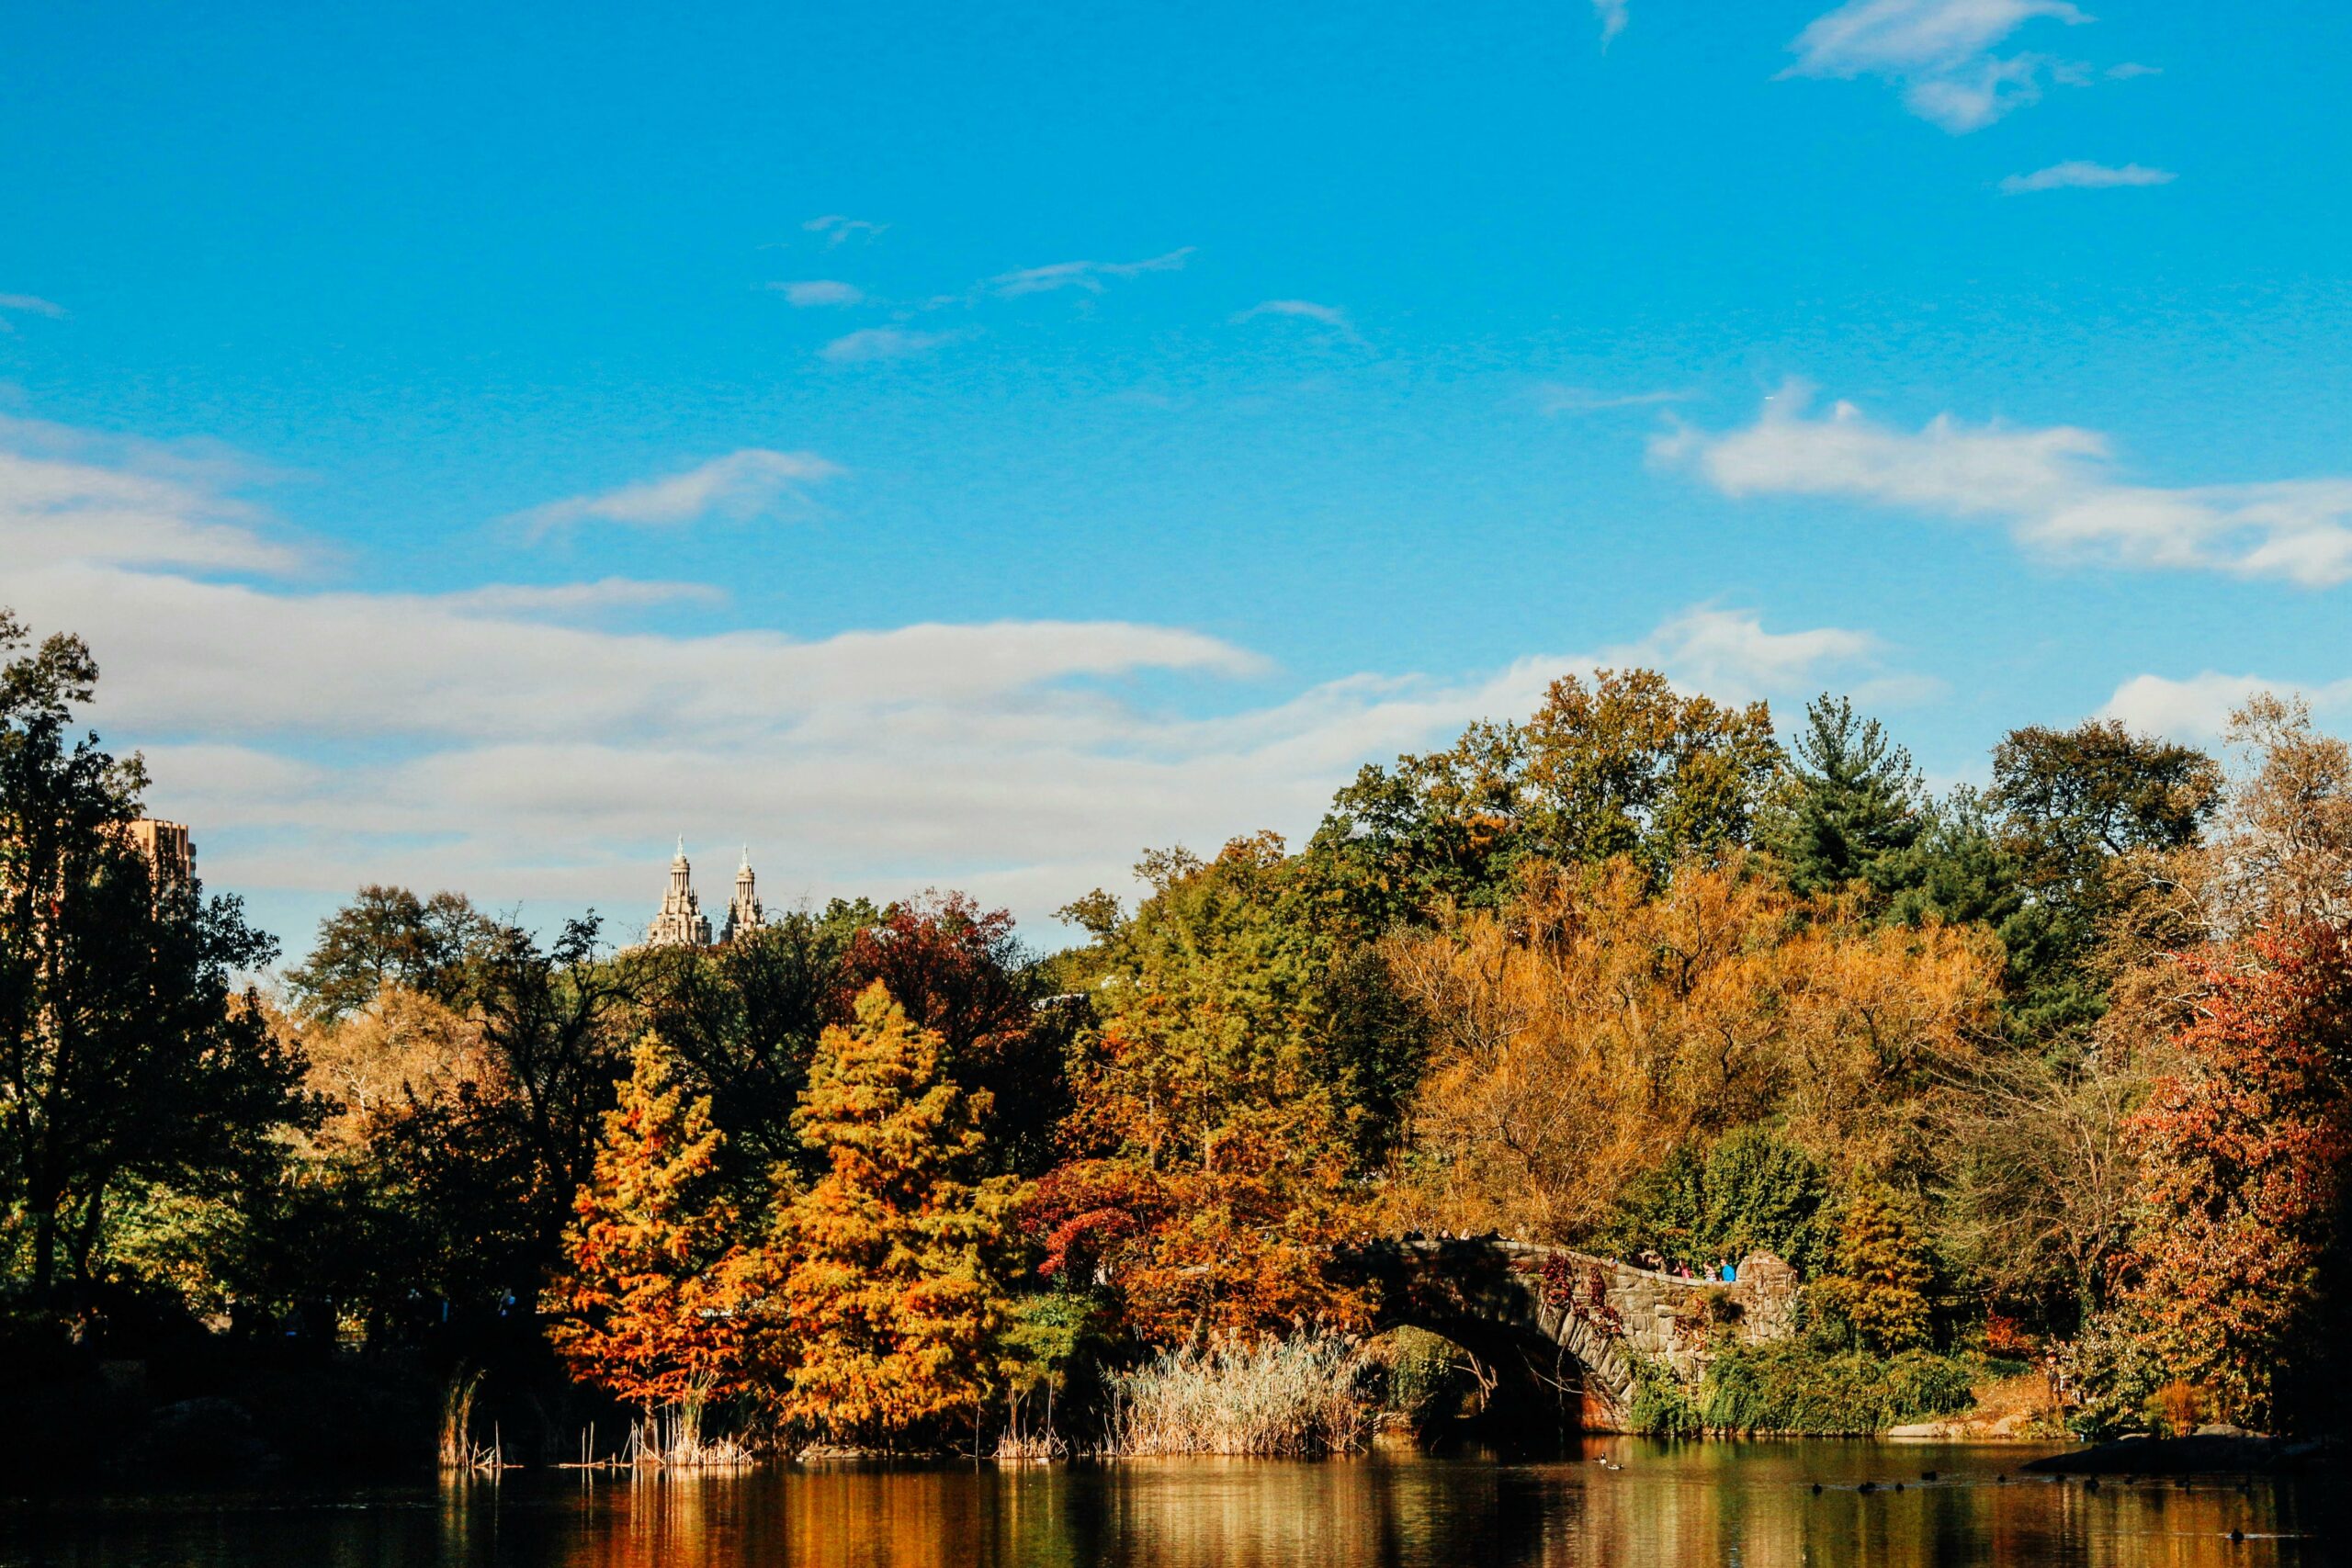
column 681, row 922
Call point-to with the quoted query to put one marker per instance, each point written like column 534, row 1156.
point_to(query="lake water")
column 1750, row 1503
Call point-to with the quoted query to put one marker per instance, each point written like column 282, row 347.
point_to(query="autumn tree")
column 2284, row 852
column 960, row 971
column 1625, row 765
column 653, row 1298
column 891, row 1296
column 1880, row 1283
column 742, row 1020
column 1629, row 766
column 1246, row 1063
column 2243, row 1144
column 1592, row 1027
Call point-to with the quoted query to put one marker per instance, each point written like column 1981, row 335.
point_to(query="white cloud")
column 505, row 740
column 837, row 229
column 67, row 496
column 1940, row 53
column 872, row 344
column 564, row 600
column 740, row 485
column 1086, row 274
column 1728, row 655
column 2198, row 709
column 2077, row 174
column 2057, row 489
column 1613, row 20
column 820, row 291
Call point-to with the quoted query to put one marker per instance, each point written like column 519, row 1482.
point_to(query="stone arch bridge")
column 1571, row 1322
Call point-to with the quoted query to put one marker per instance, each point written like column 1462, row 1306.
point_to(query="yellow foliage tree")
column 891, row 1296
column 1881, row 1286
column 1592, row 1026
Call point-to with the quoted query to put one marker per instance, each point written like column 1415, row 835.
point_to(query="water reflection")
column 1611, row 1503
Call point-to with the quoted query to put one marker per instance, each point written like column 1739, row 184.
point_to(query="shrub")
column 1421, row 1369
column 1751, row 1190
column 1662, row 1407
column 1788, row 1387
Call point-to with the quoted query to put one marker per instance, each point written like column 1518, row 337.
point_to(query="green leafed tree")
column 1629, row 766
column 129, row 1058
column 387, row 936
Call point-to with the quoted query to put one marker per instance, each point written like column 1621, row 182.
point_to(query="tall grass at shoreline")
column 1276, row 1398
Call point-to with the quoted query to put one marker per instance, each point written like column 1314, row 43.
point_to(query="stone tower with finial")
column 681, row 922
column 743, row 916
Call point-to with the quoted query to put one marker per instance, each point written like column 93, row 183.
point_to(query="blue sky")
column 963, row 445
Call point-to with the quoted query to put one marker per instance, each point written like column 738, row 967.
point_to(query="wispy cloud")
column 740, row 485
column 820, row 291
column 1556, row 397
column 1086, row 274
column 1940, row 53
column 30, row 304
column 869, row 344
column 2057, row 489
column 1613, row 20
column 1730, row 654
column 2076, row 173
column 837, row 229
column 1331, row 315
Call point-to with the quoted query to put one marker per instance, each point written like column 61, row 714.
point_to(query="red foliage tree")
column 959, row 971
column 2243, row 1144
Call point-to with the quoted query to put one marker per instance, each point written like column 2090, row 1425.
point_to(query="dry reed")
column 1275, row 1398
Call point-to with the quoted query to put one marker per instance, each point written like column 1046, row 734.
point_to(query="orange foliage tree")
column 1592, row 1026
column 891, row 1298
column 1213, row 1135
column 2243, row 1144
column 655, row 1295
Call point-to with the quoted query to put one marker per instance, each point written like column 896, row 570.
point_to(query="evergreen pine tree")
column 1849, row 801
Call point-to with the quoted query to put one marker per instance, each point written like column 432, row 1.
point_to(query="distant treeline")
column 2063, row 1060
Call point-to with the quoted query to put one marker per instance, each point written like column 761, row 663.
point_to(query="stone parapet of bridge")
column 1600, row 1313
